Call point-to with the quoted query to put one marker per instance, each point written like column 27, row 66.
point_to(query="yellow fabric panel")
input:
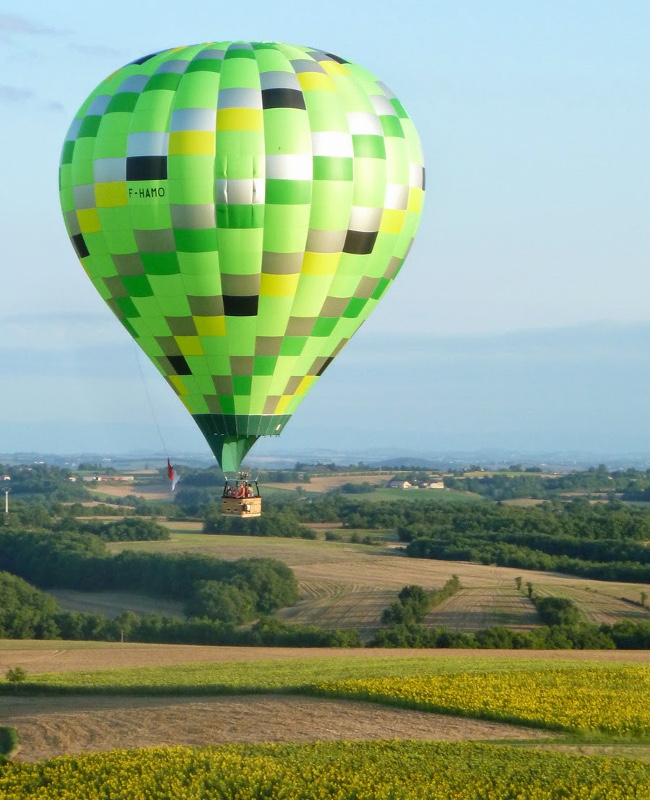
column 304, row 384
column 282, row 404
column 88, row 219
column 210, row 326
column 315, row 80
column 191, row 143
column 178, row 384
column 320, row 263
column 392, row 220
column 189, row 345
column 333, row 68
column 110, row 195
column 278, row 285
column 240, row 119
column 416, row 196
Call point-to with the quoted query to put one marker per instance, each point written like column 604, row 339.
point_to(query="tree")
column 529, row 589
column 16, row 676
column 644, row 598
column 518, row 582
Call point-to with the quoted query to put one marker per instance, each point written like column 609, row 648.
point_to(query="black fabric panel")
column 180, row 365
column 240, row 306
column 282, row 98
column 337, row 58
column 146, row 168
column 360, row 243
column 325, row 366
column 79, row 245
column 144, row 58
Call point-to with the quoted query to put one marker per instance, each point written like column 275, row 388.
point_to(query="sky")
column 522, row 313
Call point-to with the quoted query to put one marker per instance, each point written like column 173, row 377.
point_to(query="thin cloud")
column 98, row 50
column 14, row 94
column 13, row 25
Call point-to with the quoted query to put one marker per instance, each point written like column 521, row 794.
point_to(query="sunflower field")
column 615, row 702
column 336, row 771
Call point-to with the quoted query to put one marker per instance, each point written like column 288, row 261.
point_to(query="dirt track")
column 53, row 726
column 60, row 656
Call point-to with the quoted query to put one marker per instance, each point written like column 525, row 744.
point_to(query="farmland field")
column 54, row 726
column 347, row 770
column 365, row 573
column 114, row 603
column 470, row 610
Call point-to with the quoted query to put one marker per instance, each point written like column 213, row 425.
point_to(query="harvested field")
column 150, row 491
column 53, row 726
column 47, row 656
column 599, row 607
column 471, row 610
column 114, row 603
column 325, row 483
column 336, row 606
column 383, row 569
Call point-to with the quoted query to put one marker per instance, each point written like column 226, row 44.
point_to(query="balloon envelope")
column 241, row 207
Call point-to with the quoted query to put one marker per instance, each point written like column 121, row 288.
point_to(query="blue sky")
column 534, row 121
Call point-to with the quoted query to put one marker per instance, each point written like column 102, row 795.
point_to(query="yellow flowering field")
column 336, row 771
column 615, row 702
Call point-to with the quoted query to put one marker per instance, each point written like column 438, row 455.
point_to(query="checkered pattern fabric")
column 241, row 207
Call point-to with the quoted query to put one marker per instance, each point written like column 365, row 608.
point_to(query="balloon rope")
column 146, row 391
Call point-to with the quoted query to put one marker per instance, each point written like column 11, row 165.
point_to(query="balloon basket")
column 244, row 507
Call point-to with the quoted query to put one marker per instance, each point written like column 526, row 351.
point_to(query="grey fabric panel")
column 397, row 196
column 193, row 119
column 128, row 263
column 241, row 365
column 318, row 365
column 109, row 170
column 339, row 347
column 239, row 98
column 206, row 306
column 325, row 241
column 213, row 53
column 363, row 122
column 292, row 384
column 193, row 216
column 84, row 196
column 223, row 384
column 72, row 223
column 306, row 65
column 155, row 241
column 334, row 306
column 240, row 191
column 366, row 287
column 181, row 326
column 300, row 326
column 114, row 307
column 365, row 219
column 148, row 143
column 213, row 404
column 279, row 80
column 281, row 263
column 268, row 346
column 384, row 89
column 73, row 130
column 134, row 83
column 240, row 46
column 115, row 287
column 98, row 105
column 270, row 405
column 382, row 105
column 240, row 285
column 178, row 66
column 290, row 167
column 393, row 266
column 168, row 345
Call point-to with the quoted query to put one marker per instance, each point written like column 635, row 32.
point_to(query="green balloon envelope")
column 241, row 207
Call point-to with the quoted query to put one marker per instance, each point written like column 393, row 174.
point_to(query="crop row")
column 337, row 771
column 616, row 702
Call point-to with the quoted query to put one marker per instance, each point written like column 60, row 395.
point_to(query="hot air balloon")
column 241, row 207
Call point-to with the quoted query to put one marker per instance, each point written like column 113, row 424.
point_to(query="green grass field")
column 418, row 496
